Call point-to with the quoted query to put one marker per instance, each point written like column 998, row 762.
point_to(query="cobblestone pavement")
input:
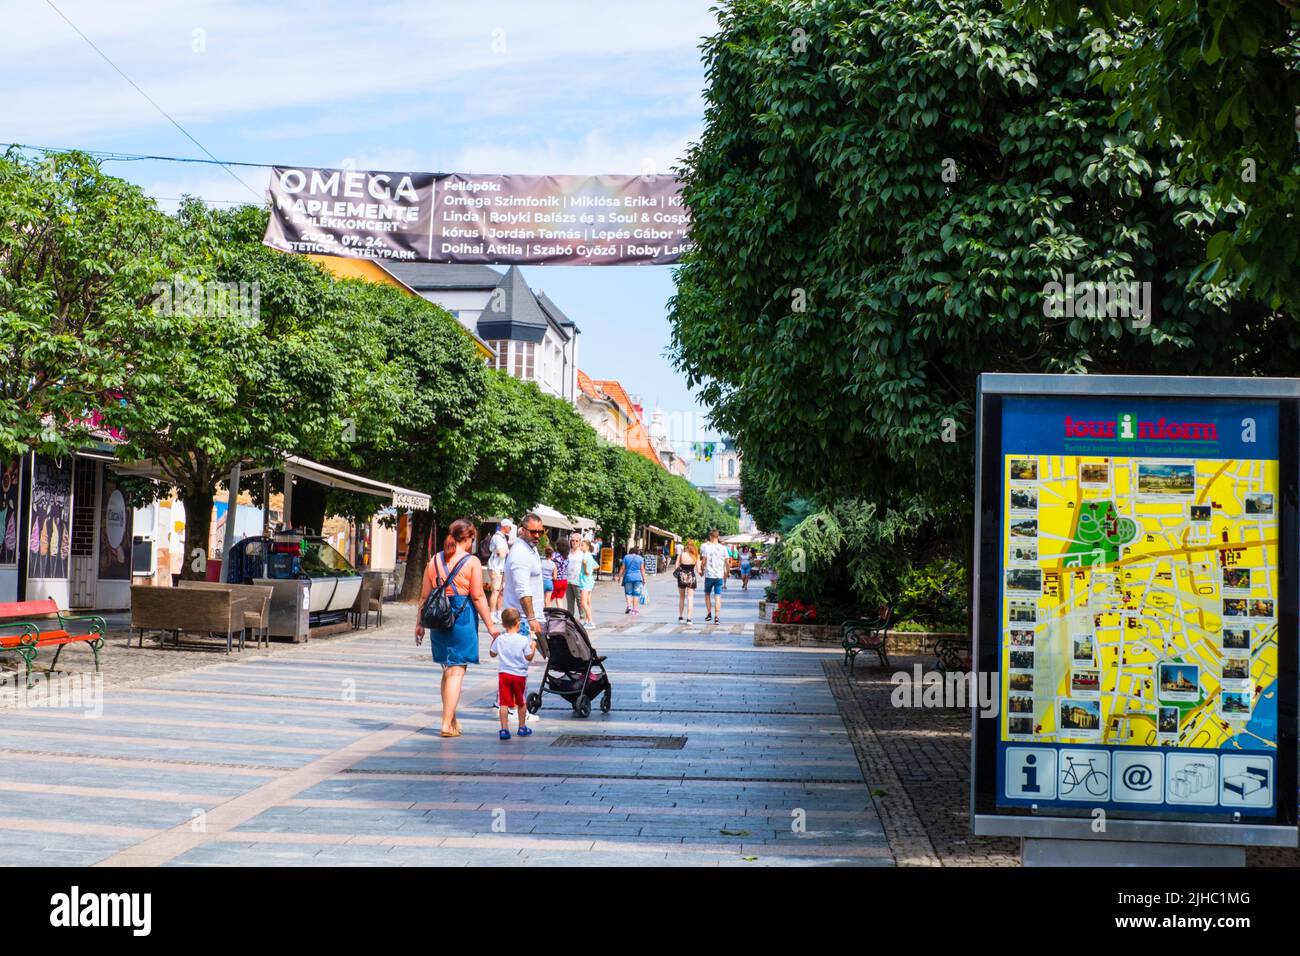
column 328, row 753
column 918, row 762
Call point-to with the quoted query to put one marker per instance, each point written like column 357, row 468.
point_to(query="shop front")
column 67, row 531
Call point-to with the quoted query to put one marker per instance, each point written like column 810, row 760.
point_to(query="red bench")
column 28, row 625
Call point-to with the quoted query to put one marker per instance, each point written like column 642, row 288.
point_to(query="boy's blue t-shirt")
column 633, row 565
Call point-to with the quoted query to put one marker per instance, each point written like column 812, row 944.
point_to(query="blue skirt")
column 459, row 646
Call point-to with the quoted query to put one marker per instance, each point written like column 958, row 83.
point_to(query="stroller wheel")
column 604, row 703
column 534, row 702
column 582, row 706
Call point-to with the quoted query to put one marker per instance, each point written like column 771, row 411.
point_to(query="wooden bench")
column 861, row 635
column 41, row 624
column 199, row 610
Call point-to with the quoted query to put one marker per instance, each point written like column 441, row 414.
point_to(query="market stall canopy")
column 335, row 478
column 554, row 519
column 660, row 532
column 312, row 471
column 745, row 538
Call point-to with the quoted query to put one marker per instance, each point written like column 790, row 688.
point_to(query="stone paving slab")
column 328, row 754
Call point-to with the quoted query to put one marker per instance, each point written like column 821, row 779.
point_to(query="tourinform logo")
column 1127, row 428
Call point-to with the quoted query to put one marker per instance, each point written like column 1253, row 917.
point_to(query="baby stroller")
column 573, row 669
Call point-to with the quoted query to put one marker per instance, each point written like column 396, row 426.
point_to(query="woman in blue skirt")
column 456, row 569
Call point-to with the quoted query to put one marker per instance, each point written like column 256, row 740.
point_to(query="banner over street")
column 489, row 220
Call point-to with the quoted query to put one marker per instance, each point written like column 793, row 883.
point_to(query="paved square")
column 328, row 753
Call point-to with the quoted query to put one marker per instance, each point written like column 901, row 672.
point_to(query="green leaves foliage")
column 844, row 293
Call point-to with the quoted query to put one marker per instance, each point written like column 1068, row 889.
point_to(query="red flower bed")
column 794, row 612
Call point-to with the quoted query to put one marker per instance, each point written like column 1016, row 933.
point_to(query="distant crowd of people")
column 522, row 580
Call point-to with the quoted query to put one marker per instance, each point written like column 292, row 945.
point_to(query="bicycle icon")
column 1095, row 781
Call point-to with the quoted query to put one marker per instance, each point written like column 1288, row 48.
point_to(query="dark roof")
column 523, row 316
column 439, row 275
column 520, row 316
column 554, row 312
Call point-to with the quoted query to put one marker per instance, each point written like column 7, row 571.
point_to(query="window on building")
column 731, row 468
column 502, row 360
column 525, row 355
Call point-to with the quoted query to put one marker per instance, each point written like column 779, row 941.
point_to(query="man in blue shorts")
column 714, row 556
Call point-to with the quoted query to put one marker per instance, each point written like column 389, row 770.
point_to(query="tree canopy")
column 80, row 254
column 1220, row 82
column 881, row 196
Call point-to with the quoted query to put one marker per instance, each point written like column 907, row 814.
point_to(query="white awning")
column 334, row 478
column 662, row 533
column 312, row 471
column 554, row 519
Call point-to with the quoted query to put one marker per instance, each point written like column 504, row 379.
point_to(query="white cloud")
column 259, row 63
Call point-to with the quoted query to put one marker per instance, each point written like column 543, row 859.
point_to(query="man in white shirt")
column 498, row 548
column 522, row 588
column 714, row 556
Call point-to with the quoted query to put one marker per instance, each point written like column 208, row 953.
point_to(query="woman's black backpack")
column 437, row 615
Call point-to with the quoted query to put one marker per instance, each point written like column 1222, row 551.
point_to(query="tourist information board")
column 1135, row 608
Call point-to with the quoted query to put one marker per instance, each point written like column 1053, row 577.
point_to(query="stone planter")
column 918, row 643
column 795, row 635
column 902, row 643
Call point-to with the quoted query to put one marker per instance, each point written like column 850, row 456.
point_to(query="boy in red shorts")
column 514, row 652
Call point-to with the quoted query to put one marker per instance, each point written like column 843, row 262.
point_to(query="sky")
column 493, row 86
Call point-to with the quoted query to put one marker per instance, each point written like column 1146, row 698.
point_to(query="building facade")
column 530, row 337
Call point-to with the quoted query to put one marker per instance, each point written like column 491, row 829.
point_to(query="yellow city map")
column 1139, row 601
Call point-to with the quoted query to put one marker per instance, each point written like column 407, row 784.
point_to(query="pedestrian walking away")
column 715, row 557
column 688, row 561
column 459, row 574
column 548, row 576
column 632, row 574
column 514, row 652
column 561, row 576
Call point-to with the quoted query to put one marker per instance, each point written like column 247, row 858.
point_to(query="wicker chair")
column 380, row 582
column 200, row 610
column 254, row 602
column 361, row 607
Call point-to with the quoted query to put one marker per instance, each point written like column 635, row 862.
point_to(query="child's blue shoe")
column 505, row 734
column 525, row 731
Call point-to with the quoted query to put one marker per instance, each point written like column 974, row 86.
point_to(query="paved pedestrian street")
column 715, row 753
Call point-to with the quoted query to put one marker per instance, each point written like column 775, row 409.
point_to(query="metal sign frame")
column 987, row 817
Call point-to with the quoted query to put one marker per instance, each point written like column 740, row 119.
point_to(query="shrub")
column 934, row 594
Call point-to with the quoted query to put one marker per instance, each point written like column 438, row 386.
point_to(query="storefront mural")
column 50, row 543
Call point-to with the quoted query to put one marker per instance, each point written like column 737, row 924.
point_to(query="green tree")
column 1218, row 81
column 525, row 448
column 303, row 371
column 877, row 213
column 437, row 424
column 80, row 253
